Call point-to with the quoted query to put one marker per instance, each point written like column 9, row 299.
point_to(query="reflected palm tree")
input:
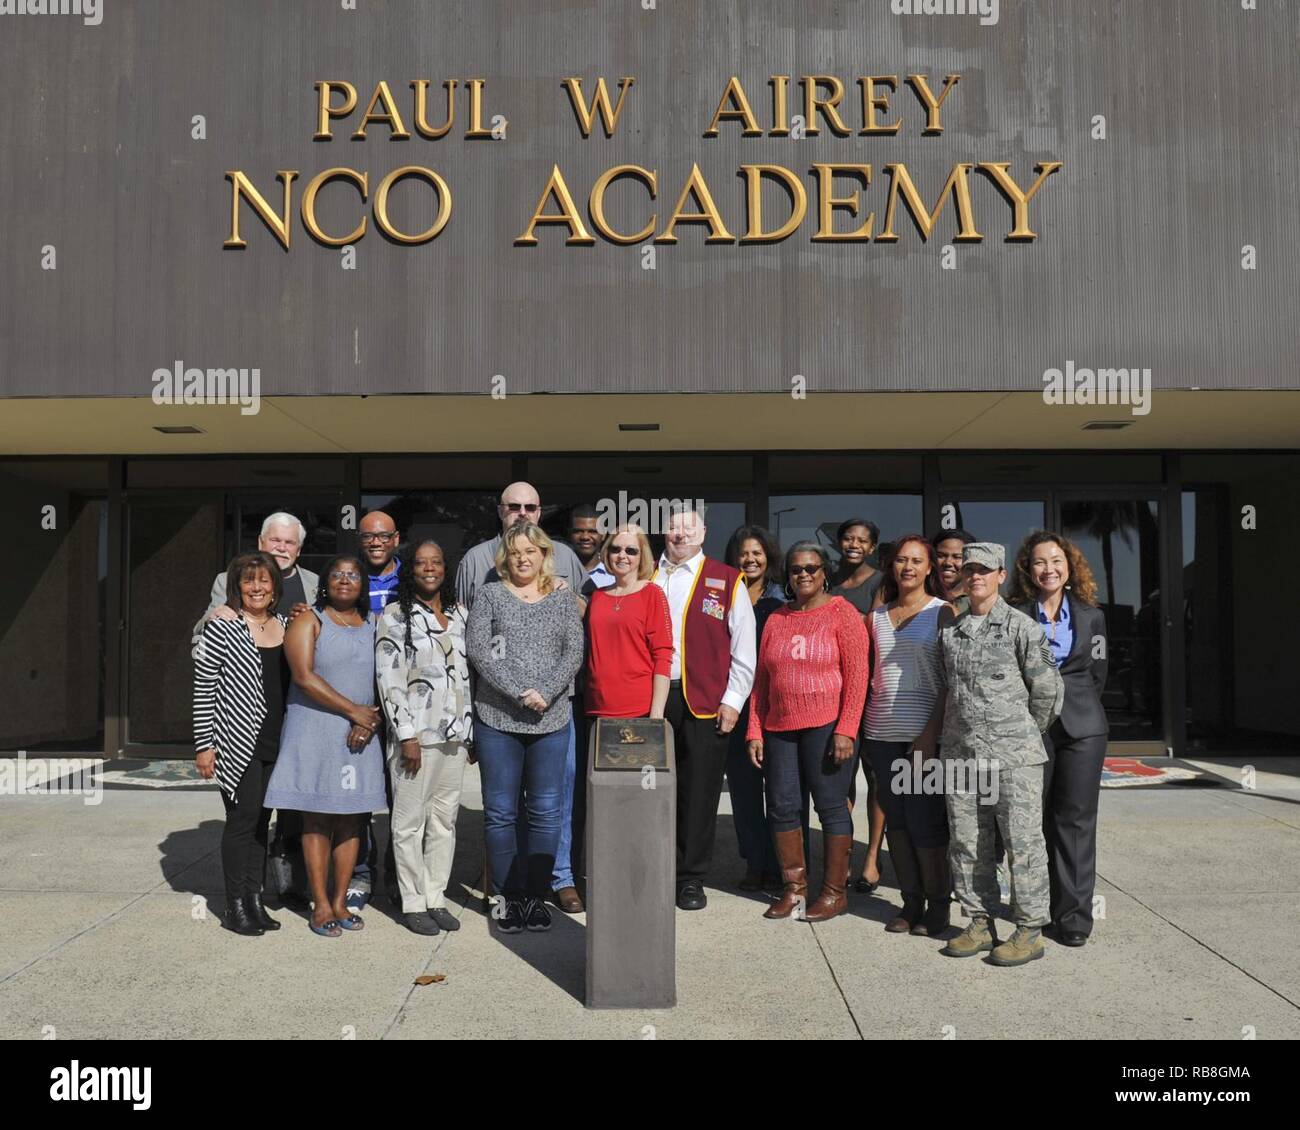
column 1105, row 521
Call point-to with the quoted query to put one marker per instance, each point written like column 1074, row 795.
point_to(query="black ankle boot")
column 257, row 912
column 239, row 919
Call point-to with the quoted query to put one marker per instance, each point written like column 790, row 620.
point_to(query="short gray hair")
column 281, row 518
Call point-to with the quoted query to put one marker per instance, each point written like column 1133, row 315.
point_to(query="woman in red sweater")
column 629, row 634
column 809, row 691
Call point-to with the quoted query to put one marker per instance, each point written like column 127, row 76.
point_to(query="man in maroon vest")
column 711, row 677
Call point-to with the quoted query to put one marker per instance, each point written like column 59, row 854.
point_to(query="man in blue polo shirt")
column 379, row 538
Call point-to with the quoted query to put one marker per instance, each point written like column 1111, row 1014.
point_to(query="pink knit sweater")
column 813, row 668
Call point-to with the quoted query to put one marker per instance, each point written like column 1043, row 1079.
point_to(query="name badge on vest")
column 713, row 607
column 715, row 582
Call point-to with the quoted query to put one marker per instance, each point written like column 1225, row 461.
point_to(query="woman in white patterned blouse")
column 424, row 688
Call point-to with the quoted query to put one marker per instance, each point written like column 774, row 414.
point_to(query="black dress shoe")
column 690, row 896
column 1073, row 938
column 238, row 919
column 257, row 912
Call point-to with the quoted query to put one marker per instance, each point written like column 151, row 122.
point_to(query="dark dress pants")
column 701, row 754
column 243, row 840
column 1071, row 791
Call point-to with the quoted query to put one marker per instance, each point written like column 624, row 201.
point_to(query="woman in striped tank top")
column 901, row 727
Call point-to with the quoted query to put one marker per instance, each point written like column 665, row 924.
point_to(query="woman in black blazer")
column 1055, row 588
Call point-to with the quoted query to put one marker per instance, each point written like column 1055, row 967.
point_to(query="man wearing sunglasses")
column 520, row 502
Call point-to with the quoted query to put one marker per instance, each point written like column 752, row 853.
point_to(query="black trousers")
column 1071, row 791
column 701, row 754
column 243, row 840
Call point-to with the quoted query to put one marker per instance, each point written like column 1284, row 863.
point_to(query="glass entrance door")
column 995, row 517
column 1120, row 537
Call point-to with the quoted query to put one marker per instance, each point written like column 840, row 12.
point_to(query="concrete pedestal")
column 631, row 865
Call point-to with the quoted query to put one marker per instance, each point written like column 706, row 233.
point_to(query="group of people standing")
column 375, row 684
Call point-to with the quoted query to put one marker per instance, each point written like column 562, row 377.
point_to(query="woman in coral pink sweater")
column 809, row 691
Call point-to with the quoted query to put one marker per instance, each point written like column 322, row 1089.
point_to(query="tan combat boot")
column 1026, row 944
column 978, row 937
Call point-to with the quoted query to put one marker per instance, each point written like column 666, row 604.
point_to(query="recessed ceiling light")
column 1106, row 425
column 638, row 427
column 178, row 430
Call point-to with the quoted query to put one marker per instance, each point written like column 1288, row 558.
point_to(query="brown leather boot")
column 789, row 854
column 938, row 887
column 832, row 901
column 902, row 854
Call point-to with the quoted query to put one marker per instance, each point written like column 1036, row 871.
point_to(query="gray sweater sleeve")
column 487, row 646
column 573, row 641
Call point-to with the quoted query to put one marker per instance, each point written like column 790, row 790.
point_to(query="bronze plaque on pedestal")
column 631, row 743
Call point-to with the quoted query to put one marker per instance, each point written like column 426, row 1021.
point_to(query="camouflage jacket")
column 1003, row 690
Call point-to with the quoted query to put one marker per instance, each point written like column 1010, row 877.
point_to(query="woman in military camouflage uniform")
column 1002, row 693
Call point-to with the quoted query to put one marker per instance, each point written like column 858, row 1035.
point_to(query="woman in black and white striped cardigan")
column 239, row 689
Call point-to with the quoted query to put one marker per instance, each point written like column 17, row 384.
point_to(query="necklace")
column 260, row 627
column 618, row 600
column 906, row 613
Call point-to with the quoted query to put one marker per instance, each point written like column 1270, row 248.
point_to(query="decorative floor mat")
column 155, row 775
column 1146, row 772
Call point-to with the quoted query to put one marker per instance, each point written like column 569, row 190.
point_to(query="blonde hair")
column 535, row 534
column 645, row 565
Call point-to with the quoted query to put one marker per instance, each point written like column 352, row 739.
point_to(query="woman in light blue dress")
column 330, row 767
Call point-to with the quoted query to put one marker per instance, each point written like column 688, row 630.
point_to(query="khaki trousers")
column 423, row 823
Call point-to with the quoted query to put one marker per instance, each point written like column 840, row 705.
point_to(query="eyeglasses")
column 799, row 570
column 339, row 575
column 385, row 538
column 628, row 550
column 526, row 507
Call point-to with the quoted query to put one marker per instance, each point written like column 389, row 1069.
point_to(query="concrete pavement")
column 109, row 929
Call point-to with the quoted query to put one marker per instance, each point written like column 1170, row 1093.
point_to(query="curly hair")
column 1080, row 583
column 406, row 589
column 889, row 586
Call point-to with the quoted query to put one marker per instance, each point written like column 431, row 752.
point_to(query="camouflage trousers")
column 972, row 854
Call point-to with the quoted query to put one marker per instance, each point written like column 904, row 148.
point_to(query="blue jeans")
column 535, row 761
column 569, row 821
column 796, row 760
column 563, row 874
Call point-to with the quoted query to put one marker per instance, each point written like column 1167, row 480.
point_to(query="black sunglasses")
column 799, row 570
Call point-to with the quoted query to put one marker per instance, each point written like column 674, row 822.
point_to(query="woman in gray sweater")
column 525, row 640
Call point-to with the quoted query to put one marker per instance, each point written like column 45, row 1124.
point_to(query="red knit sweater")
column 813, row 668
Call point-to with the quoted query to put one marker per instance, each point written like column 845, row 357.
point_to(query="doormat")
column 154, row 775
column 1146, row 772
